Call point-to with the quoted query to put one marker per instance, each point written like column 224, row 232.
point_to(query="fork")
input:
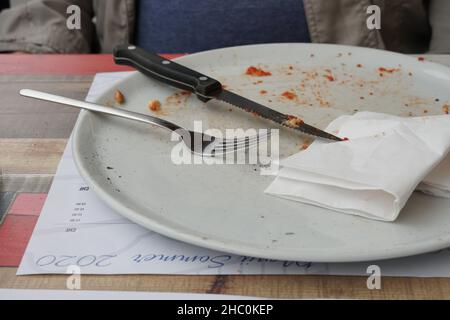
column 198, row 142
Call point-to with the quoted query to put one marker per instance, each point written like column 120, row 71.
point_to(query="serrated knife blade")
column 272, row 115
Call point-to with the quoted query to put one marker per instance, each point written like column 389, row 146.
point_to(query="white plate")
column 223, row 207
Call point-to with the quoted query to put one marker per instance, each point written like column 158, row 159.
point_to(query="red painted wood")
column 28, row 204
column 15, row 233
column 17, row 227
column 62, row 64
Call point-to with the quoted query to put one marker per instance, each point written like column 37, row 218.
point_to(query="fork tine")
column 243, row 141
column 229, row 148
column 252, row 138
column 234, row 145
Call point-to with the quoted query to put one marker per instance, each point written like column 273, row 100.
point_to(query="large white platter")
column 223, row 207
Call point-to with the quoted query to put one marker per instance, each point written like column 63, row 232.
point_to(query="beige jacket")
column 409, row 26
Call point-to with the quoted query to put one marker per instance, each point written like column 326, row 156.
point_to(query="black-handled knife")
column 204, row 87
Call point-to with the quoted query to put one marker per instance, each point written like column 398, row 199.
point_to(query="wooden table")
column 32, row 139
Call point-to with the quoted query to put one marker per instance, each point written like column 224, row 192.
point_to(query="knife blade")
column 205, row 88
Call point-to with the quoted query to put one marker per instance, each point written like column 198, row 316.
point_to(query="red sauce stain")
column 257, row 72
column 345, row 139
column 359, row 65
column 263, row 92
column 289, row 95
column 178, row 98
column 329, row 75
column 421, row 58
column 385, row 70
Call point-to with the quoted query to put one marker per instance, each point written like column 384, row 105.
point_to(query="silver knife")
column 204, row 87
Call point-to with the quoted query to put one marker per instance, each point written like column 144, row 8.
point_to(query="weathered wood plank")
column 22, row 117
column 30, row 156
column 302, row 286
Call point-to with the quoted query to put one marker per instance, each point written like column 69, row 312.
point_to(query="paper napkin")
column 373, row 173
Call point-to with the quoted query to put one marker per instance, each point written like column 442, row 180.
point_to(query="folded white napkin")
column 373, row 173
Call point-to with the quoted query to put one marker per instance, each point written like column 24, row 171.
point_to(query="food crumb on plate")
column 119, row 97
column 154, row 105
column 445, row 108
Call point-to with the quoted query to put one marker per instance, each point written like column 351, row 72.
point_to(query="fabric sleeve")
column 39, row 26
column 440, row 24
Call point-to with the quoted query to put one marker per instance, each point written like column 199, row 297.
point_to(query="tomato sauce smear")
column 257, row 72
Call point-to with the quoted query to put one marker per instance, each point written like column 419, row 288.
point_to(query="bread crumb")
column 445, row 108
column 154, row 105
column 119, row 97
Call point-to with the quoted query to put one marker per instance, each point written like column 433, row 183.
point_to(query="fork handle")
column 98, row 108
column 166, row 71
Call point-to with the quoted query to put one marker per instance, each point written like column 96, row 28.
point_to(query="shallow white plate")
column 223, row 207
